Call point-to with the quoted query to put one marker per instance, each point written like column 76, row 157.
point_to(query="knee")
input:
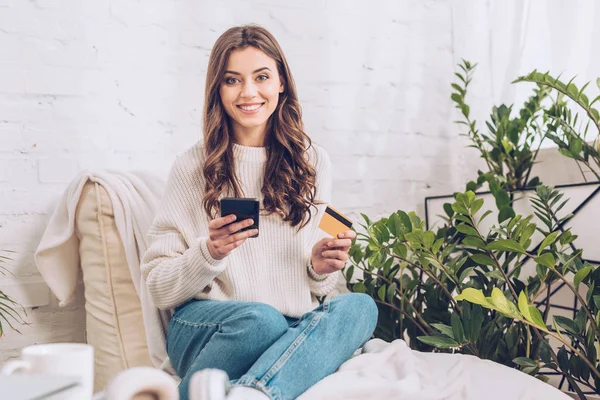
column 360, row 310
column 264, row 321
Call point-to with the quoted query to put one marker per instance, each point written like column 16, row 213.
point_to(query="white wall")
column 118, row 84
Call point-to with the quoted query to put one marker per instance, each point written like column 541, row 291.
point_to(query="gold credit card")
column 334, row 222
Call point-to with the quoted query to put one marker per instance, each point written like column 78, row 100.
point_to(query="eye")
column 262, row 77
column 231, row 81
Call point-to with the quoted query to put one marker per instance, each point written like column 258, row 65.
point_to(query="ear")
column 281, row 87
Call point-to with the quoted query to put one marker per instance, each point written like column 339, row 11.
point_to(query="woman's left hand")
column 330, row 255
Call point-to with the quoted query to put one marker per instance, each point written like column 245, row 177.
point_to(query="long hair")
column 289, row 181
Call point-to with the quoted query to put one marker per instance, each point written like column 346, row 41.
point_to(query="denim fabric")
column 259, row 347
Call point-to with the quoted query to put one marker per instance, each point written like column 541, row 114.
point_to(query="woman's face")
column 250, row 90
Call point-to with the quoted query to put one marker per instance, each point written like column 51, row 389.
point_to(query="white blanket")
column 394, row 371
column 382, row 371
column 135, row 197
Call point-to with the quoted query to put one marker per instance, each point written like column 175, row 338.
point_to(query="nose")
column 248, row 90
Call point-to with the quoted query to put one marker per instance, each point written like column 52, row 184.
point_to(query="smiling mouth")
column 248, row 108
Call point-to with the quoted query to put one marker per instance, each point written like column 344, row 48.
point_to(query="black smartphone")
column 243, row 208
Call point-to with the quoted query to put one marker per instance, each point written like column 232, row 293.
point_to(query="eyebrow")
column 254, row 72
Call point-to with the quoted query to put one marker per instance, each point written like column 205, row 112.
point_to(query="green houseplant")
column 508, row 144
column 462, row 288
column 472, row 282
column 576, row 138
column 11, row 313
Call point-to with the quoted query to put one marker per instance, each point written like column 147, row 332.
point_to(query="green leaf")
column 441, row 342
column 359, row 288
column 547, row 260
column 476, row 206
column 434, row 262
column 381, row 293
column 467, row 230
column 474, row 296
column 525, row 362
column 502, row 198
column 428, row 239
column 474, row 323
column 459, row 209
column 470, row 197
column 367, row 220
column 474, row 241
column 524, row 306
column 448, row 209
column 406, row 223
column 465, row 274
column 482, row 259
column 393, row 223
column 536, row 317
column 557, row 329
column 567, row 324
column 506, row 245
column 485, row 214
column 495, row 274
column 506, row 212
column 349, row 273
column 550, row 239
column 437, row 245
column 598, row 83
column 401, row 250
column 501, row 302
column 445, row 329
column 457, row 328
column 391, row 292
column 581, row 275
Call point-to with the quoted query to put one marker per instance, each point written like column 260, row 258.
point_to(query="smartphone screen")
column 242, row 208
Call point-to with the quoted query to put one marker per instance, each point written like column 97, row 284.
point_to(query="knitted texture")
column 272, row 268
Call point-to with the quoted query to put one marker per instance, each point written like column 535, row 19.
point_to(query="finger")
column 339, row 243
column 231, row 229
column 335, row 254
column 240, row 236
column 335, row 265
column 229, row 247
column 350, row 234
column 220, row 222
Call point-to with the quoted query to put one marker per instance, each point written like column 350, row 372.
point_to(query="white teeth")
column 251, row 108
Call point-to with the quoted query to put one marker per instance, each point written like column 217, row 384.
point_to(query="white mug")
column 65, row 359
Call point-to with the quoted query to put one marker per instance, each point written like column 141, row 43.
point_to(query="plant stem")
column 417, row 314
column 583, row 303
column 512, row 290
column 407, row 315
column 573, row 349
column 434, row 278
column 568, row 377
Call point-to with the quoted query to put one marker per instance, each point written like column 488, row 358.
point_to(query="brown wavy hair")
column 289, row 181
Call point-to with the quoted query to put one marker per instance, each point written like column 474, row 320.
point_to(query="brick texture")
column 98, row 84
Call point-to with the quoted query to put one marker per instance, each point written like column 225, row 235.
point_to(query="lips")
column 250, row 108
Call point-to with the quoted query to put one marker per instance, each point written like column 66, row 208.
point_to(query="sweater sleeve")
column 321, row 285
column 176, row 269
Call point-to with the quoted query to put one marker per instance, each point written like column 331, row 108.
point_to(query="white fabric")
column 394, row 371
column 135, row 197
column 270, row 269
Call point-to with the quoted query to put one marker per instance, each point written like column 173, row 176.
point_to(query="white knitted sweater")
column 271, row 269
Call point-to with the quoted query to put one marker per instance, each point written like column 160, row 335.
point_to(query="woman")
column 248, row 306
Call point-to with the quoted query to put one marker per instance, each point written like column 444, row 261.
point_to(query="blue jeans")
column 259, row 347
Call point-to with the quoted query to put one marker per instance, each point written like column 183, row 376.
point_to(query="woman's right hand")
column 224, row 236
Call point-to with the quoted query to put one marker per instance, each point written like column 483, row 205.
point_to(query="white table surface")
column 35, row 387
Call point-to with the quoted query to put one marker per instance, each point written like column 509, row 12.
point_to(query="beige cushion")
column 113, row 312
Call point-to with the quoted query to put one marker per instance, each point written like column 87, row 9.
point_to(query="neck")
column 251, row 137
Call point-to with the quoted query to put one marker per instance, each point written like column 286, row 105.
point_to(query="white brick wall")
column 89, row 84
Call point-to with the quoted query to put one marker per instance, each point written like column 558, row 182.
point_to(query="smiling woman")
column 251, row 310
